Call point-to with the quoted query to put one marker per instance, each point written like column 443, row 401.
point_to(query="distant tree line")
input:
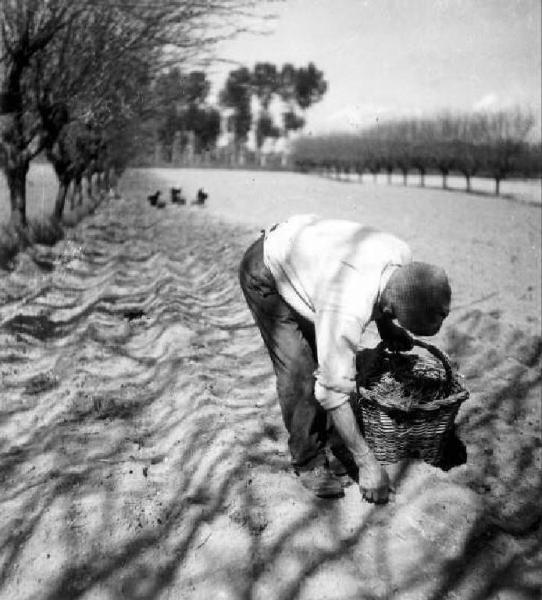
column 184, row 121
column 486, row 144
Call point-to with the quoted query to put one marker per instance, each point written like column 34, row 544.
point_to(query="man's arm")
column 373, row 479
column 338, row 336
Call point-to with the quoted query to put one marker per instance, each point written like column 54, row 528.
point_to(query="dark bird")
column 153, row 198
column 176, row 197
column 201, row 196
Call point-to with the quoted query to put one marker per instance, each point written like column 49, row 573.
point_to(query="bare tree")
column 444, row 132
column 504, row 135
column 400, row 146
column 27, row 27
column 465, row 150
column 61, row 52
column 92, row 70
column 419, row 136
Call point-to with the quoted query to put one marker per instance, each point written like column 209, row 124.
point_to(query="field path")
column 142, row 454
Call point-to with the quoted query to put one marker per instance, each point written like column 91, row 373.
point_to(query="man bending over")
column 313, row 285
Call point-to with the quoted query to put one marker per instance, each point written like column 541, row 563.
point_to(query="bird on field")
column 153, row 198
column 176, row 197
column 201, row 196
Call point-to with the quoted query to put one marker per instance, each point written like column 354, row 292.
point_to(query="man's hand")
column 394, row 337
column 373, row 480
column 399, row 341
column 374, row 483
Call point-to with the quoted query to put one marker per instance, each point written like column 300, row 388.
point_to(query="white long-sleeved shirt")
column 332, row 272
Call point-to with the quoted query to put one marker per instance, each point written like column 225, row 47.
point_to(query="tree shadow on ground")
column 158, row 467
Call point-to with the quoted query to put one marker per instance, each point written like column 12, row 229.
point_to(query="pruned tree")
column 94, row 68
column 400, row 146
column 505, row 135
column 418, row 132
column 83, row 43
column 27, row 28
column 479, row 143
column 68, row 155
column 466, row 148
column 441, row 136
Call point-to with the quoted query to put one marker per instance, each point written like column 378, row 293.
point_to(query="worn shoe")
column 322, row 482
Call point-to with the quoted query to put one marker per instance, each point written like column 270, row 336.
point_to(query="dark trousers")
column 290, row 341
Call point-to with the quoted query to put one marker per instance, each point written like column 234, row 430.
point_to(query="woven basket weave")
column 406, row 404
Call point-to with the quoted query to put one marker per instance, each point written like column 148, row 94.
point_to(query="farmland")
column 143, row 454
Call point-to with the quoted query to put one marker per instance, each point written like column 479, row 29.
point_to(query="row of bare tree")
column 76, row 80
column 489, row 144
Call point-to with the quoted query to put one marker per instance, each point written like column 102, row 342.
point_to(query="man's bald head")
column 418, row 295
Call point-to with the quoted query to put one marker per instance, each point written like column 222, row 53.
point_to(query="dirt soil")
column 142, row 454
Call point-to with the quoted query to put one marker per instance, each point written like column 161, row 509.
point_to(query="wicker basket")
column 406, row 404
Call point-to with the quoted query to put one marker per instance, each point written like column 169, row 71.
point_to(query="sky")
column 391, row 58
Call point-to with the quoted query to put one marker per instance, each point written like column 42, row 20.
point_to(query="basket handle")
column 436, row 353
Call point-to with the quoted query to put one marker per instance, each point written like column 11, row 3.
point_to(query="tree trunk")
column 16, row 180
column 78, row 189
column 241, row 159
column 98, row 182
column 176, row 148
column 405, row 176
column 60, row 200
column 157, row 153
column 467, row 179
column 422, row 177
column 112, row 181
column 89, row 184
column 444, row 179
column 71, row 191
column 497, row 186
column 389, row 171
column 106, row 181
column 15, row 164
column 283, row 160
